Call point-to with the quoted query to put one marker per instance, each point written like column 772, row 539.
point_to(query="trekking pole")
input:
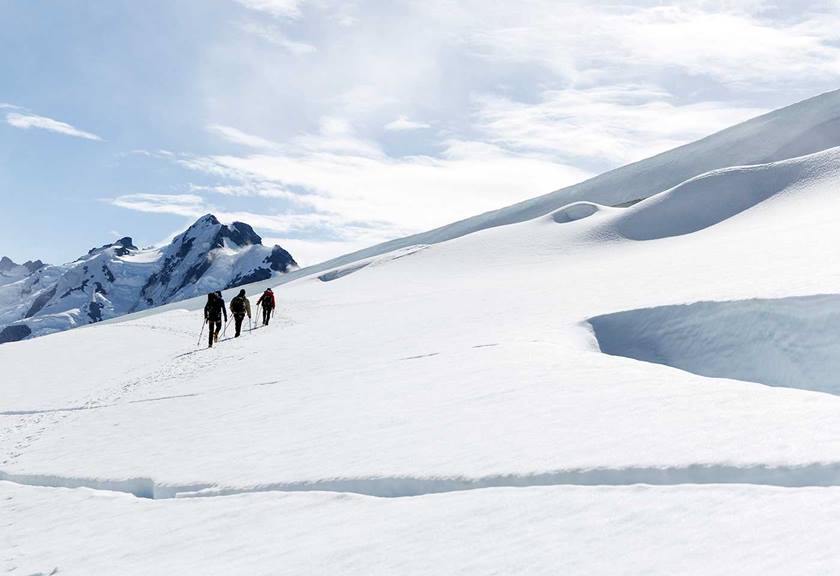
column 200, row 334
column 224, row 332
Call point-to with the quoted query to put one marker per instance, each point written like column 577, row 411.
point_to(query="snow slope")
column 541, row 397
column 119, row 278
column 797, row 130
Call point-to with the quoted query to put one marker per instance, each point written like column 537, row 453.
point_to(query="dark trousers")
column 237, row 322
column 266, row 315
column 215, row 328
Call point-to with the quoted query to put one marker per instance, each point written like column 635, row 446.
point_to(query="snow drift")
column 790, row 342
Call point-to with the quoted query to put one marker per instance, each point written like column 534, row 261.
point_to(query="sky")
column 334, row 125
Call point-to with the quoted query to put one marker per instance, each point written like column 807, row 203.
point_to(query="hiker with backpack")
column 240, row 306
column 267, row 302
column 213, row 311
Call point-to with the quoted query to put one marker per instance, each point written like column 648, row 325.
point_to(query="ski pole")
column 200, row 334
column 224, row 332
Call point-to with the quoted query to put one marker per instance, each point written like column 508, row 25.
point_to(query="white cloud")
column 729, row 42
column 277, row 8
column 190, row 205
column 359, row 183
column 402, row 123
column 27, row 121
column 615, row 124
column 275, row 36
column 309, row 252
column 237, row 136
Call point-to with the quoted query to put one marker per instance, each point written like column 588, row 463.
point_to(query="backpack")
column 214, row 307
column 267, row 299
column 237, row 305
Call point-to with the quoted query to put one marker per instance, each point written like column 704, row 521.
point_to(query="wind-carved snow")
column 343, row 271
column 575, row 211
column 791, row 342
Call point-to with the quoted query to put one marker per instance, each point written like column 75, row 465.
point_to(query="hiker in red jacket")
column 267, row 302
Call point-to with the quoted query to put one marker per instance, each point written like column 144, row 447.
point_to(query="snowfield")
column 649, row 389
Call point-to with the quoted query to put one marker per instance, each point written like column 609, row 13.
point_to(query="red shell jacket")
column 267, row 300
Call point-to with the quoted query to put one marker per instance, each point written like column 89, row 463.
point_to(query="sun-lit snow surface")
column 448, row 409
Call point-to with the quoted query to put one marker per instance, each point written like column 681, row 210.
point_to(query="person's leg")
column 218, row 329
column 211, row 332
column 238, row 325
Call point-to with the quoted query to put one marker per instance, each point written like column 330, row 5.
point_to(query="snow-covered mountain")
column 578, row 384
column 119, row 278
column 11, row 272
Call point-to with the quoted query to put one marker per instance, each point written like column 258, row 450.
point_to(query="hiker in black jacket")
column 213, row 311
column 240, row 306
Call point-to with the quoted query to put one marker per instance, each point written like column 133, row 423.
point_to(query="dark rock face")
column 14, row 333
column 239, row 233
column 95, row 311
column 108, row 274
column 122, row 247
column 33, row 266
column 80, row 288
column 195, row 272
column 41, row 301
column 279, row 259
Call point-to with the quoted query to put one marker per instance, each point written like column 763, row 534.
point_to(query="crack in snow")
column 807, row 475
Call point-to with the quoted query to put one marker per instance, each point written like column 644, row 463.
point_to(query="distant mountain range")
column 118, row 278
